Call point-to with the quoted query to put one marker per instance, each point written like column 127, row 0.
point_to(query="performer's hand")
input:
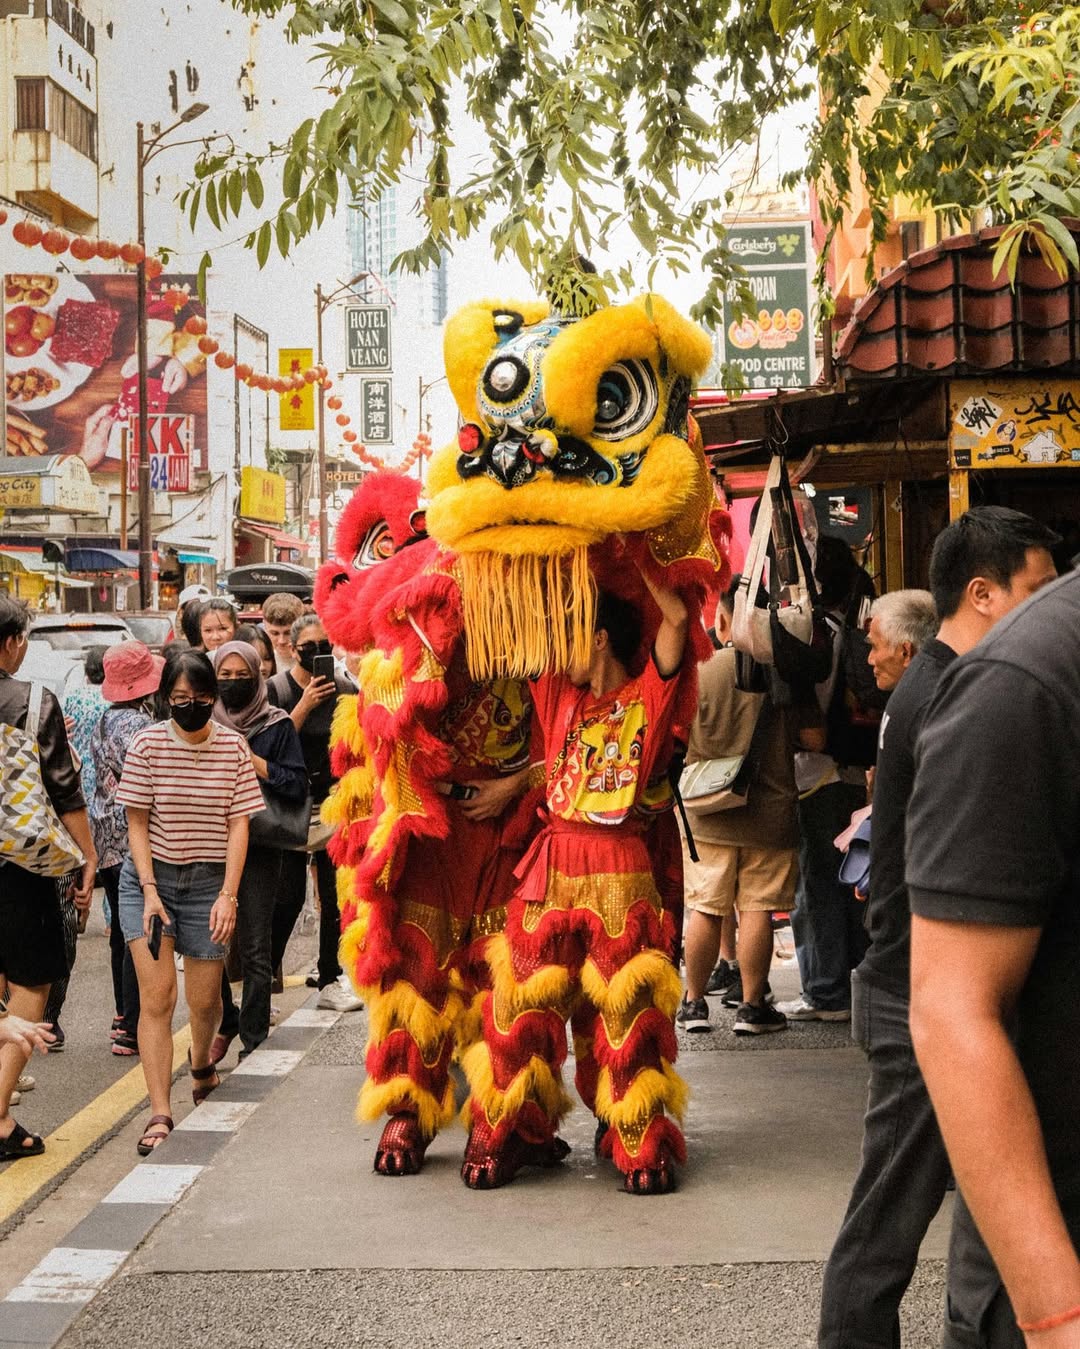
column 490, row 798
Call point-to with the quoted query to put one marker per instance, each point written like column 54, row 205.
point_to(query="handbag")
column 711, row 785
column 283, row 824
column 32, row 835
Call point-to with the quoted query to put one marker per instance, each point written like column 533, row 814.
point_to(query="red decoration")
column 243, row 370
column 27, row 233
column 224, row 360
column 333, row 403
column 154, row 268
column 107, row 250
column 132, row 254
column 469, row 438
column 3, row 216
column 55, row 242
column 82, row 250
column 349, row 436
column 343, row 419
column 207, row 346
column 310, row 376
column 196, row 325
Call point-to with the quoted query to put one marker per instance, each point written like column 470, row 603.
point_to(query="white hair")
column 906, row 616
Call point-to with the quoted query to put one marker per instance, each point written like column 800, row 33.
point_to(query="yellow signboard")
column 50, row 483
column 297, row 407
column 1022, row 423
column 262, row 495
column 19, row 493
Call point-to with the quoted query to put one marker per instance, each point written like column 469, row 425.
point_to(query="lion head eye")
column 627, row 400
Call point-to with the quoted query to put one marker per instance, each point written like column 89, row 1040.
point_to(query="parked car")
column 59, row 671
column 152, row 627
column 73, row 633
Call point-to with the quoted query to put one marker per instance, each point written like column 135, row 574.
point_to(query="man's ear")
column 908, row 652
column 600, row 639
column 979, row 594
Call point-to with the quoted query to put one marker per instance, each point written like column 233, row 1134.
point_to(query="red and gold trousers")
column 588, row 940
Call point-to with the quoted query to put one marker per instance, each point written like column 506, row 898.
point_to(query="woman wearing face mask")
column 189, row 787
column 131, row 677
column 271, row 891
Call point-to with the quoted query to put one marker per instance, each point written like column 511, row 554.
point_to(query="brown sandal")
column 208, row 1076
column 152, row 1138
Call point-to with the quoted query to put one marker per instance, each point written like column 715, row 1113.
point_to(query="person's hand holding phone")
column 152, row 908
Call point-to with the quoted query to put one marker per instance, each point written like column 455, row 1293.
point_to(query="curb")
column 40, row 1309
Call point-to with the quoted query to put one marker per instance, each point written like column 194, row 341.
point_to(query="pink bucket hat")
column 131, row 671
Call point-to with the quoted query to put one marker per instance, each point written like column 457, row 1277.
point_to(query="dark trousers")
column 125, row 984
column 827, row 923
column 329, row 920
column 65, row 885
column 978, row 1313
column 269, row 900
column 899, row 1188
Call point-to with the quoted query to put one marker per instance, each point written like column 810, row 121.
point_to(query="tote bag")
column 31, row 833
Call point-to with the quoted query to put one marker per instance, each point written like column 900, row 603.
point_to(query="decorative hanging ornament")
column 333, row 403
column 106, row 250
column 132, row 254
column 27, row 233
column 224, row 360
column 154, row 268
column 82, row 250
column 243, row 370
column 196, row 325
column 207, row 346
column 55, row 242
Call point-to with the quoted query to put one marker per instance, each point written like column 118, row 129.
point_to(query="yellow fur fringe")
column 535, row 1082
column 648, row 969
column 649, row 1093
column 378, row 1098
column 548, row 987
column 402, row 1008
column 526, row 614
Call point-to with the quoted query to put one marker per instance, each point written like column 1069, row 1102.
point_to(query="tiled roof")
column 944, row 312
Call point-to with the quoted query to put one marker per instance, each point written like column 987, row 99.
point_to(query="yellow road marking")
column 20, row 1183
column 295, row 980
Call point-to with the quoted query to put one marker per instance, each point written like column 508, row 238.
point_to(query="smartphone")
column 322, row 667
column 153, row 942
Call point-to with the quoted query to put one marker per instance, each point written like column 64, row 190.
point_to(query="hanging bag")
column 32, row 835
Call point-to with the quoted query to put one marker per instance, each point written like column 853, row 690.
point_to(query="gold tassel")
column 526, row 614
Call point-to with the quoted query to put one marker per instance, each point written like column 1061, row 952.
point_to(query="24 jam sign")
column 169, row 443
column 367, row 337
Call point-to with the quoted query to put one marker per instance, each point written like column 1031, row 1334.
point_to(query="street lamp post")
column 145, row 152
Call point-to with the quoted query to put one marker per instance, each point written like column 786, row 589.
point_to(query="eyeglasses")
column 191, row 702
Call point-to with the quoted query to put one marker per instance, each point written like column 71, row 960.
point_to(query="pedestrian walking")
column 132, row 676
column 279, row 613
column 189, row 788
column 217, row 623
column 83, row 707
column 272, row 884
column 32, row 940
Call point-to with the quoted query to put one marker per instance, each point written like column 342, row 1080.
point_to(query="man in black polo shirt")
column 983, row 565
column 994, row 876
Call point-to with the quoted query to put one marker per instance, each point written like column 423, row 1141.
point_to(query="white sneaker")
column 275, row 1014
column 26, row 1082
column 15, row 1098
column 804, row 1010
column 336, row 997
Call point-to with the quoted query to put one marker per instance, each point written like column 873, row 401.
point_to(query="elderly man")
column 901, row 623
column 983, row 565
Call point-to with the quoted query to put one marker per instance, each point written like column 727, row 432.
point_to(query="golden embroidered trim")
column 608, row 894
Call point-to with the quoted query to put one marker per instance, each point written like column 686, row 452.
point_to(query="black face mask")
column 306, row 654
column 193, row 717
column 236, row 693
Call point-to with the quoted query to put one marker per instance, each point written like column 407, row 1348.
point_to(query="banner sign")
column 367, row 337
column 773, row 346
column 297, row 407
column 262, row 495
column 375, row 405
column 71, row 373
column 1022, row 423
column 345, row 477
column 169, row 441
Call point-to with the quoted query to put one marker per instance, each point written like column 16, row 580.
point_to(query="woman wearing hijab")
column 271, row 890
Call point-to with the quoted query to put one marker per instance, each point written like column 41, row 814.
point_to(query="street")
column 272, row 1229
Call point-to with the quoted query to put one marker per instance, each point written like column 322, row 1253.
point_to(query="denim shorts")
column 188, row 893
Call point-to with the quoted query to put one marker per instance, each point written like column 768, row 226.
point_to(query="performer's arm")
column 675, row 623
column 492, row 796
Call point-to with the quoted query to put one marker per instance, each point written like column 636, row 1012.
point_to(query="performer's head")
column 615, row 642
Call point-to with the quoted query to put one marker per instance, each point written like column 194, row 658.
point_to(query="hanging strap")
column 33, row 712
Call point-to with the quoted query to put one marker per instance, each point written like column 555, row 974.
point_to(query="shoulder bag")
column 712, row 785
column 32, row 835
column 283, row 824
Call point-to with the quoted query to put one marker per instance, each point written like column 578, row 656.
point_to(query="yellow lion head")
column 574, row 429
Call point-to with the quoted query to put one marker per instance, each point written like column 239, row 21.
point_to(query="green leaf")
column 212, row 206
column 254, row 186
column 204, row 267
column 281, row 234
column 194, row 211
column 236, row 191
column 262, row 243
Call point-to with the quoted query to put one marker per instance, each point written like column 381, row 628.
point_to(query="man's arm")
column 986, row 1111
column 77, row 823
column 675, row 623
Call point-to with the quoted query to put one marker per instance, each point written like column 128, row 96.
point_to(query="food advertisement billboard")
column 773, row 345
column 71, row 371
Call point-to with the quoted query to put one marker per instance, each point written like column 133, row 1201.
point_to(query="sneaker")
column 311, row 979
column 722, row 979
column 758, row 1020
column 14, row 1098
column 693, row 1016
column 58, row 1044
column 336, row 997
column 802, row 1009
column 26, row 1083
column 734, row 998
column 275, row 1014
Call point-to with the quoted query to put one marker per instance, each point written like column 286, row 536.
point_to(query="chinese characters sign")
column 367, row 337
column 375, row 412
column 297, row 407
column 773, row 346
column 262, row 495
column 1014, row 424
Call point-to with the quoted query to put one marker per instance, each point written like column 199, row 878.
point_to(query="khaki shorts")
column 752, row 880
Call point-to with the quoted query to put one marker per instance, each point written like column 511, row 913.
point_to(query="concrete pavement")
column 288, row 1238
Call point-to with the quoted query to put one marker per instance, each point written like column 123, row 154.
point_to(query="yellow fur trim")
column 382, row 679
column 650, row 970
column 402, row 1008
column 469, row 1027
column 469, row 338
column 354, row 938
column 378, row 1098
column 346, row 727
column 535, row 1082
column 351, row 798
column 687, row 347
column 548, row 987
column 650, row 1093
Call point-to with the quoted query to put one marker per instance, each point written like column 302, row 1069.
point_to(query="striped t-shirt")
column 191, row 791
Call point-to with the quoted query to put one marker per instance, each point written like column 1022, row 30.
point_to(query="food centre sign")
column 367, row 338
column 773, row 346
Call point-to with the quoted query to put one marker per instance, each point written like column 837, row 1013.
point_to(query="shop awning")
column 191, row 559
column 278, row 537
column 102, row 559
column 17, row 560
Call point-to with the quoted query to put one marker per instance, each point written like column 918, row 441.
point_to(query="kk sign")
column 375, row 412
column 297, row 406
column 169, row 442
column 367, row 337
column 773, row 345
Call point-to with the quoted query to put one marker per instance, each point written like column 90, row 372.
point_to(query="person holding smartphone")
column 309, row 691
column 189, row 786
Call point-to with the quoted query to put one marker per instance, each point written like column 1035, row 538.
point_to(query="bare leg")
column 755, row 954
column 727, row 938
column 703, row 933
column 28, row 1003
column 202, row 984
column 157, row 997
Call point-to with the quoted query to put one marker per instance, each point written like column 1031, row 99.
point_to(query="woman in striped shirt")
column 189, row 787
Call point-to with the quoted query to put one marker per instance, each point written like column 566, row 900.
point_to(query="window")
column 388, row 239
column 29, row 105
column 372, row 237
column 439, row 291
column 73, row 122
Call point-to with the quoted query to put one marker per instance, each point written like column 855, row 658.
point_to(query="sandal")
column 117, row 1027
column 14, row 1146
column 153, row 1138
column 219, row 1047
column 125, row 1046
column 208, row 1076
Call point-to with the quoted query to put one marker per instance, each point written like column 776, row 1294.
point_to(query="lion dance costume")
column 576, row 464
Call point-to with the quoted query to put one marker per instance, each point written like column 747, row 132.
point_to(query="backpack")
column 853, row 718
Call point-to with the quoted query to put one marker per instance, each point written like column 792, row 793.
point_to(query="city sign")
column 375, row 406
column 1021, row 423
column 367, row 337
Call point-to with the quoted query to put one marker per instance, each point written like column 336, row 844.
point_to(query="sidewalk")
column 288, row 1238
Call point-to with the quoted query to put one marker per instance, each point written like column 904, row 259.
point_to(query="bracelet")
column 227, row 894
column 1051, row 1322
column 143, row 885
